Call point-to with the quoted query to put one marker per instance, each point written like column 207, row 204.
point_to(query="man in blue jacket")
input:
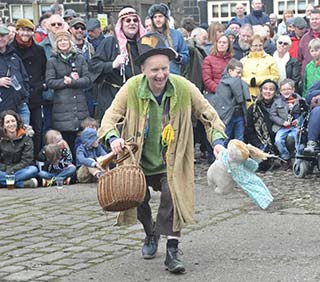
column 257, row 16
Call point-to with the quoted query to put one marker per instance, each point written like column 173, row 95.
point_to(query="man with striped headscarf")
column 113, row 62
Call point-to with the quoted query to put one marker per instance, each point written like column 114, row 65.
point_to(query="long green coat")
column 129, row 110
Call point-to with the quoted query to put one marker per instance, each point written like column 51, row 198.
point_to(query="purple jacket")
column 304, row 56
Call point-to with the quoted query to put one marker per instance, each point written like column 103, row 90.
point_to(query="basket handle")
column 129, row 147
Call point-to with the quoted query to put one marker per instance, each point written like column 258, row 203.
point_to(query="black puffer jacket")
column 34, row 60
column 17, row 153
column 69, row 101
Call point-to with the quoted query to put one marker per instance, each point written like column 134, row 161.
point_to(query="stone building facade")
column 203, row 11
column 11, row 10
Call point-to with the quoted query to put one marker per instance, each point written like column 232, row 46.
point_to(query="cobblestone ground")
column 47, row 234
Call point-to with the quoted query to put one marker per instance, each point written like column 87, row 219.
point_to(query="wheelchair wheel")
column 300, row 168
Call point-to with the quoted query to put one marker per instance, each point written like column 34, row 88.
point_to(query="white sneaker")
column 311, row 145
column 31, row 183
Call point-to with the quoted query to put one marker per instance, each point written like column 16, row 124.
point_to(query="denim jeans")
column 20, row 176
column 24, row 113
column 235, row 129
column 280, row 141
column 314, row 125
column 65, row 173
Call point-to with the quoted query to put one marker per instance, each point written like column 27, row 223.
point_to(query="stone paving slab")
column 47, row 234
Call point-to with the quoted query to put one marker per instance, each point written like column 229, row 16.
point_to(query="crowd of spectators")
column 58, row 77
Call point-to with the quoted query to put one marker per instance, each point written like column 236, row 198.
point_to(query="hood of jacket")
column 88, row 136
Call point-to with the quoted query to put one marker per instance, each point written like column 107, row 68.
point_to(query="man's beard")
column 163, row 27
column 244, row 45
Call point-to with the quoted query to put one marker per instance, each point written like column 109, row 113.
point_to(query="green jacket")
column 17, row 153
column 311, row 75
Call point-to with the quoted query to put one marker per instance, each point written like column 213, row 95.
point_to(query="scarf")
column 122, row 39
column 281, row 63
column 66, row 57
column 23, row 44
column 41, row 30
column 260, row 125
column 316, row 34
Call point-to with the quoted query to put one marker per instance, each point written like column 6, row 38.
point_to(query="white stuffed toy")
column 234, row 167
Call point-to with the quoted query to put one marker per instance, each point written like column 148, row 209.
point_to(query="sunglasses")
column 283, row 43
column 79, row 27
column 56, row 24
column 135, row 20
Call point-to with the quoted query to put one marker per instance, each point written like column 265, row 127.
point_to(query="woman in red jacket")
column 212, row 69
column 214, row 64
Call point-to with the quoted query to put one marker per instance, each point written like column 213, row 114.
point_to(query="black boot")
column 172, row 262
column 150, row 246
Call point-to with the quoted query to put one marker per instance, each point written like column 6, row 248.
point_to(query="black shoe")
column 172, row 262
column 150, row 246
column 287, row 165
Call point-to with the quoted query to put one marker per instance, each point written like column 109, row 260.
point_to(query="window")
column 44, row 8
column 298, row 6
column 215, row 11
column 20, row 11
column 223, row 11
column 301, row 7
column 25, row 11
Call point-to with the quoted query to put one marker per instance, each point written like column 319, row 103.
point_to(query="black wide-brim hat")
column 268, row 80
column 153, row 44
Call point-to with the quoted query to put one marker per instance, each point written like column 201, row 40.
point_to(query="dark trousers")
column 164, row 221
column 70, row 137
column 313, row 125
column 47, row 117
column 36, row 123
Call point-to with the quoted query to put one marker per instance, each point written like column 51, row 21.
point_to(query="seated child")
column 88, row 122
column 87, row 154
column 230, row 100
column 284, row 120
column 57, row 157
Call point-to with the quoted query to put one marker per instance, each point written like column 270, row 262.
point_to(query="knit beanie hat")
column 233, row 21
column 88, row 136
column 230, row 32
column 24, row 23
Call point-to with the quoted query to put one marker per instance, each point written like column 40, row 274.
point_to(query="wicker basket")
column 123, row 187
